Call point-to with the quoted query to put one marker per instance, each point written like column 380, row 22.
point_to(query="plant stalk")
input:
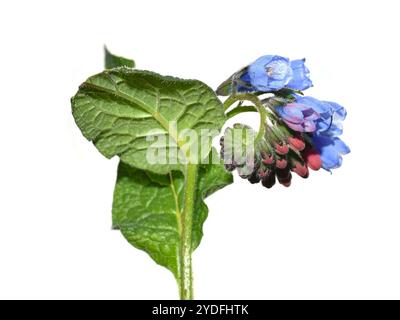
column 257, row 104
column 185, row 269
column 240, row 109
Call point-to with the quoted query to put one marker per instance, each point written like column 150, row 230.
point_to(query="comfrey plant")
column 162, row 130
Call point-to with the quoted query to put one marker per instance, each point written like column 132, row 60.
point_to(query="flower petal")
column 291, row 112
column 339, row 112
column 315, row 104
column 331, row 150
column 300, row 77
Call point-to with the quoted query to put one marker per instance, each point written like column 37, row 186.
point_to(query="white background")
column 331, row 236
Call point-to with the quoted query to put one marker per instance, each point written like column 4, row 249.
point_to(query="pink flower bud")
column 281, row 149
column 300, row 169
column 281, row 163
column 269, row 180
column 297, row 143
column 268, row 159
column 286, row 183
column 313, row 159
column 284, row 177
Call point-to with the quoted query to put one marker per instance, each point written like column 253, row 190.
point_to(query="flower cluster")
column 300, row 133
column 322, row 120
column 275, row 156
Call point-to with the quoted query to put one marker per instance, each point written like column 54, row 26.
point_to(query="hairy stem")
column 186, row 279
column 257, row 104
column 240, row 109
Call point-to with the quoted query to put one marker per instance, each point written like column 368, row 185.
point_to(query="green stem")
column 240, row 109
column 185, row 268
column 257, row 104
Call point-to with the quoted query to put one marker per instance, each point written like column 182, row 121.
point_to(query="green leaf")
column 148, row 209
column 113, row 61
column 158, row 206
column 120, row 109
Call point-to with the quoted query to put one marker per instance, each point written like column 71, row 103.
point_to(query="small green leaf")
column 134, row 113
column 148, row 209
column 112, row 61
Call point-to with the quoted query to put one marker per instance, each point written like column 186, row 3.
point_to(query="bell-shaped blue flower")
column 330, row 150
column 321, row 119
column 333, row 127
column 269, row 73
column 300, row 75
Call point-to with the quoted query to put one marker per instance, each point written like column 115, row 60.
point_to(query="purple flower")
column 308, row 114
column 330, row 118
column 321, row 119
column 298, row 117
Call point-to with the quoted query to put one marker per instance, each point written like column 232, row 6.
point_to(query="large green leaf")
column 148, row 208
column 159, row 207
column 120, row 109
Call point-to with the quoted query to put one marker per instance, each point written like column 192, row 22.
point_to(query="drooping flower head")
column 275, row 157
column 301, row 133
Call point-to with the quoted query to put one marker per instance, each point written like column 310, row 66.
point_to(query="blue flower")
column 330, row 150
column 268, row 73
column 272, row 73
column 323, row 121
column 334, row 126
column 300, row 76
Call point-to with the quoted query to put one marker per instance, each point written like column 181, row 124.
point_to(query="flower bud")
column 281, row 163
column 297, row 143
column 254, row 178
column 281, row 149
column 268, row 180
column 284, row 177
column 312, row 158
column 301, row 169
column 267, row 159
